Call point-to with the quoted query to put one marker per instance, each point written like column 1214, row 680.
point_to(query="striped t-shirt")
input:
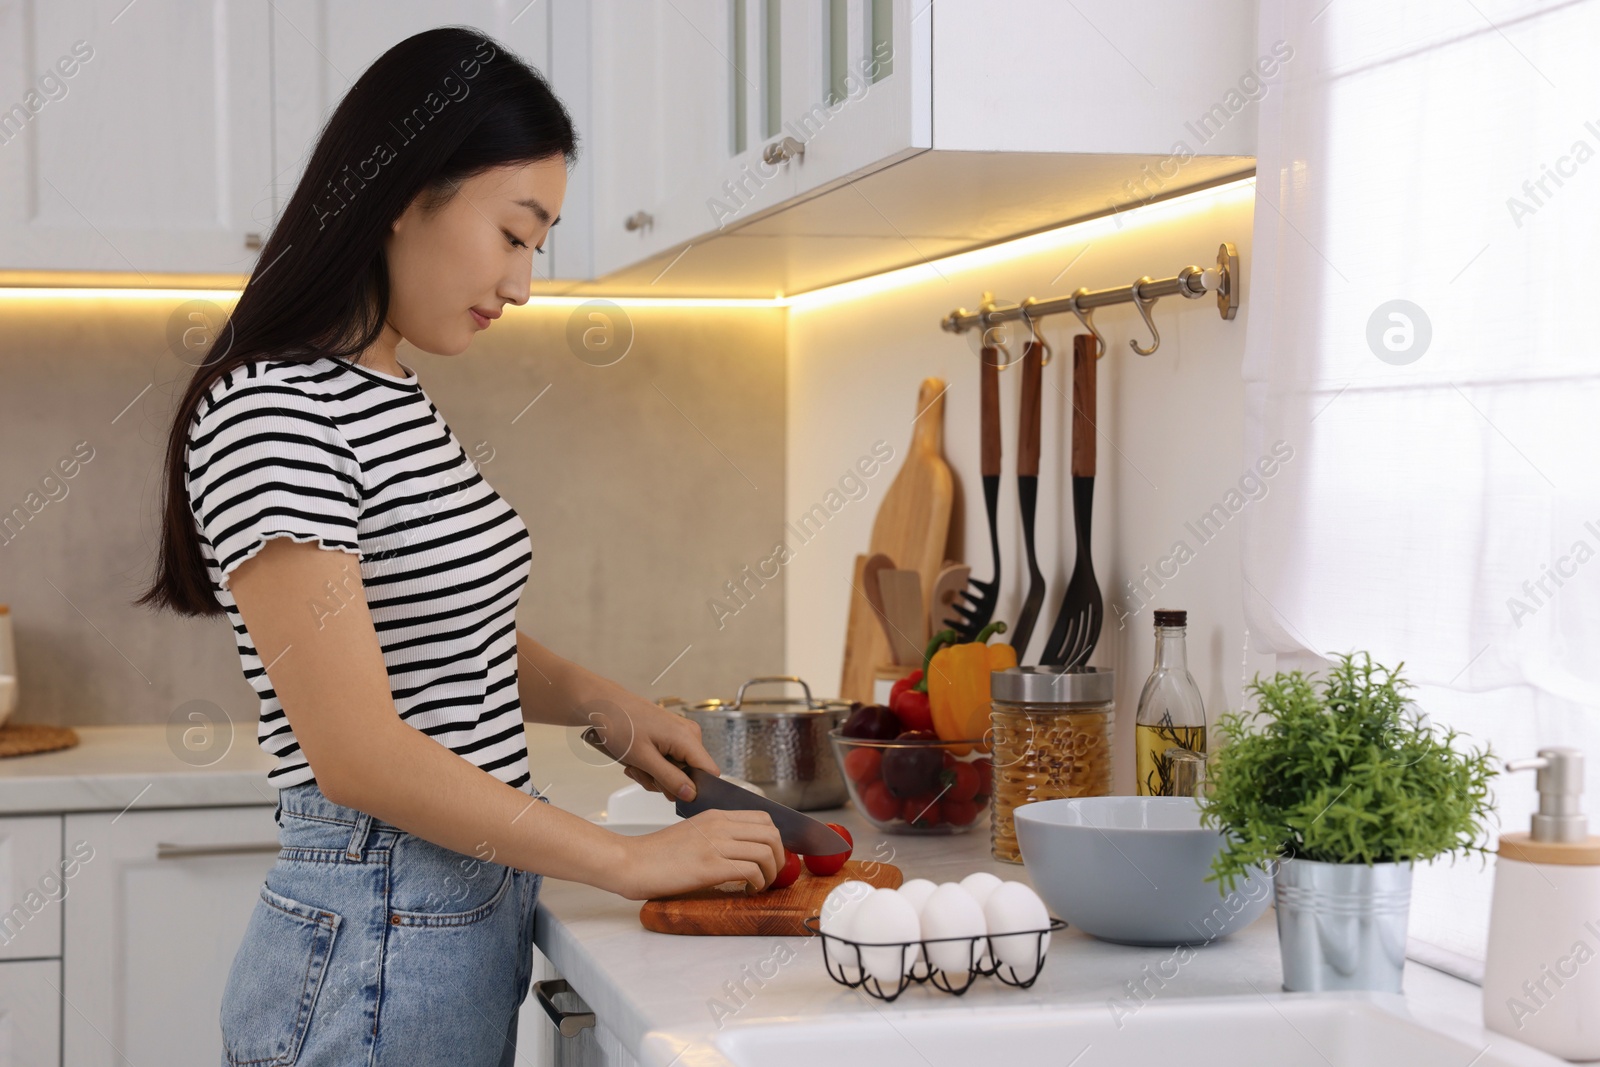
column 361, row 461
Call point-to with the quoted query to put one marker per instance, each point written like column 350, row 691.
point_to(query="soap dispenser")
column 1541, row 980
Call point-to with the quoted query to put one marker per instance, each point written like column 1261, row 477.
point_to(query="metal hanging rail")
column 1190, row 282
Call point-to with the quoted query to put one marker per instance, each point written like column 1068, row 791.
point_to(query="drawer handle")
column 569, row 1023
column 639, row 220
column 165, row 851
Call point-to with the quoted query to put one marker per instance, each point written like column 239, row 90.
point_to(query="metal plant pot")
column 778, row 743
column 1342, row 925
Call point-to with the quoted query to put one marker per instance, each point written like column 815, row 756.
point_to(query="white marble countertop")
column 638, row 981
column 113, row 767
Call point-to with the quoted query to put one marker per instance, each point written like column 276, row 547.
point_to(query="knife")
column 800, row 833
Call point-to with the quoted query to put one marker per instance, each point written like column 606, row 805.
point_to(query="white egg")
column 1014, row 906
column 840, row 905
column 917, row 891
column 980, row 884
column 886, row 916
column 951, row 912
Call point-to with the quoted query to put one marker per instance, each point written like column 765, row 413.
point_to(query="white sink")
column 1338, row 1030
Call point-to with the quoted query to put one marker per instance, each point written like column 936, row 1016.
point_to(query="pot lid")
column 743, row 704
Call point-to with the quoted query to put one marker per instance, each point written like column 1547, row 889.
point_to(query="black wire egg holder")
column 983, row 961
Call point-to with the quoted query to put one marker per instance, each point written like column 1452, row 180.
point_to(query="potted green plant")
column 1336, row 788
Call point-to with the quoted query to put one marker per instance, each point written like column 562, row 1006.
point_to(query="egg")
column 980, row 884
column 917, row 891
column 951, row 912
column 886, row 916
column 840, row 905
column 1011, row 907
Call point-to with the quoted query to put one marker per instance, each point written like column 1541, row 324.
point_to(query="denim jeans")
column 370, row 945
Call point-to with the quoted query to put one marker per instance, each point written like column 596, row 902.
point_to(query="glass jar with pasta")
column 1052, row 737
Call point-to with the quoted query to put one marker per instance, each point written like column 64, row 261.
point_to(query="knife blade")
column 799, row 832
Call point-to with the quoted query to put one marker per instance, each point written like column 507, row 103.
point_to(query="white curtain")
column 1421, row 330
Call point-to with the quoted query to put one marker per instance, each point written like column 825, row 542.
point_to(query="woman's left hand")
column 640, row 735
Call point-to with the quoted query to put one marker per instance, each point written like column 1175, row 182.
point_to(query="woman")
column 316, row 498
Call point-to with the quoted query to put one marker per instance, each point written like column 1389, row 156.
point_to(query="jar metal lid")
column 1052, row 685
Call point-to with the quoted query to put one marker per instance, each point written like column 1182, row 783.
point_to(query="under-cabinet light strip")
column 1032, row 244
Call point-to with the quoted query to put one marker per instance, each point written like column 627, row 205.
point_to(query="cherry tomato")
column 881, row 805
column 959, row 812
column 826, row 865
column 788, row 872
column 922, row 811
column 985, row 769
column 963, row 780
column 862, row 763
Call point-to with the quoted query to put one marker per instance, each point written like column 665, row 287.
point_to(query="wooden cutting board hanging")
column 911, row 527
column 779, row 913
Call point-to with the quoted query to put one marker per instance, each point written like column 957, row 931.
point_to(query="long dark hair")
column 436, row 108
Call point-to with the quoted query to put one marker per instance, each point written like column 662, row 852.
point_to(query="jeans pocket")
column 273, row 984
column 475, row 914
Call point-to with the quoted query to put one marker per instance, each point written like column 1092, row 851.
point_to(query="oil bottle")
column 1171, row 714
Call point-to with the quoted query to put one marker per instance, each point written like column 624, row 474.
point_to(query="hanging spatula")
column 1028, row 490
column 975, row 607
column 1077, row 627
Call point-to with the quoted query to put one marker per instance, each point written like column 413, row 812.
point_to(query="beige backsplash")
column 646, row 486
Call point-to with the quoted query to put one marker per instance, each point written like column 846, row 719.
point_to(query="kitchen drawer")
column 33, row 881
column 30, row 1013
column 152, row 925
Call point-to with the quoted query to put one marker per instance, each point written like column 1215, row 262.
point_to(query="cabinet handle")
column 783, row 151
column 165, row 851
column 639, row 220
column 252, row 241
column 569, row 1023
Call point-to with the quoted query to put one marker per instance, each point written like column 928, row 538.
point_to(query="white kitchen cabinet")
column 133, row 137
column 152, row 923
column 320, row 47
column 33, row 882
column 926, row 129
column 30, row 1013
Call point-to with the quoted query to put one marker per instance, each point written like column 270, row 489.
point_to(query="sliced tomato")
column 826, row 865
column 880, row 804
column 788, row 873
column 862, row 764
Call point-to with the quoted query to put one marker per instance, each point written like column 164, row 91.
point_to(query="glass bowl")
column 914, row 786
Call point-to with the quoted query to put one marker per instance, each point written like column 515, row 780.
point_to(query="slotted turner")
column 1077, row 627
column 1028, row 491
column 975, row 607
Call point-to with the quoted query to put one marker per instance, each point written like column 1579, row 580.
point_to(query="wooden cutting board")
column 779, row 913
column 912, row 525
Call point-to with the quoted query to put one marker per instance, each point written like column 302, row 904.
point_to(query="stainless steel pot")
column 779, row 743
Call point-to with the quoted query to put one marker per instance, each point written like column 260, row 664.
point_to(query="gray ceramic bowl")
column 1132, row 870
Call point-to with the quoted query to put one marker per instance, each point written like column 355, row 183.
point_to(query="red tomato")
column 880, row 804
column 922, row 811
column 826, row 865
column 861, row 764
column 959, row 812
column 788, row 872
column 963, row 780
column 985, row 769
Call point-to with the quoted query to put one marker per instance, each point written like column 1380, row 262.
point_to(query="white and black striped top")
column 362, row 461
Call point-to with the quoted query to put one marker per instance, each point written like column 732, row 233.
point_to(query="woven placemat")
column 23, row 739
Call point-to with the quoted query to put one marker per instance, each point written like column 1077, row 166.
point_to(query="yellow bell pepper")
column 956, row 677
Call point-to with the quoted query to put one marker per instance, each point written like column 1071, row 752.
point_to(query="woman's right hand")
column 703, row 850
